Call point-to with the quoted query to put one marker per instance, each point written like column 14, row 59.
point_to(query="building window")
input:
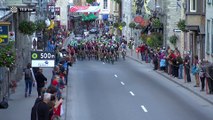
column 208, row 37
column 193, row 5
column 105, row 4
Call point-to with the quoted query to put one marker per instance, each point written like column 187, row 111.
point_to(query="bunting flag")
column 84, row 9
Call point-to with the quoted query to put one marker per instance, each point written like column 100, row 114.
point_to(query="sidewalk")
column 19, row 106
column 188, row 86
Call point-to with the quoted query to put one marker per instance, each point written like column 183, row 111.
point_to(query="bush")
column 40, row 25
column 116, row 25
column 154, row 40
column 173, row 39
column 132, row 25
column 182, row 25
column 156, row 23
column 7, row 54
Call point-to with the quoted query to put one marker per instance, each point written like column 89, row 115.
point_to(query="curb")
column 167, row 77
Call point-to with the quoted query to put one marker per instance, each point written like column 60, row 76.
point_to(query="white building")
column 62, row 17
column 105, row 9
column 209, row 31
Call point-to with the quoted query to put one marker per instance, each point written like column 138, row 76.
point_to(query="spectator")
column 196, row 71
column 28, row 80
column 209, row 77
column 187, row 67
column 202, row 74
column 40, row 110
column 41, row 80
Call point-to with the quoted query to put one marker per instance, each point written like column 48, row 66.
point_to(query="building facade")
column 209, row 31
column 195, row 24
column 62, row 13
column 127, row 17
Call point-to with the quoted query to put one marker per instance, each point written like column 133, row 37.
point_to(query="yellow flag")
column 120, row 27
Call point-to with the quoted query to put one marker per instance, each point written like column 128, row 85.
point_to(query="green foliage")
column 116, row 25
column 40, row 25
column 7, row 54
column 154, row 40
column 123, row 24
column 156, row 23
column 90, row 1
column 132, row 25
column 143, row 37
column 182, row 25
column 27, row 27
column 173, row 39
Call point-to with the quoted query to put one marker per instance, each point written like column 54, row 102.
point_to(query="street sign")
column 4, row 30
column 26, row 9
column 42, row 59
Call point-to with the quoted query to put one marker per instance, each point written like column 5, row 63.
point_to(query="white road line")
column 144, row 109
column 122, row 83
column 131, row 93
column 115, row 75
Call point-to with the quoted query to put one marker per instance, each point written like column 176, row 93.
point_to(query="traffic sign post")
column 42, row 59
column 4, row 33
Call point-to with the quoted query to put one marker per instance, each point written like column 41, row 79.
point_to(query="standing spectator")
column 142, row 48
column 28, row 80
column 40, row 110
column 209, row 77
column 196, row 71
column 179, row 63
column 187, row 67
column 41, row 80
column 162, row 61
column 202, row 74
column 155, row 61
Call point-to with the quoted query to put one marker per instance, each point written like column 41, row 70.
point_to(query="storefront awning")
column 84, row 9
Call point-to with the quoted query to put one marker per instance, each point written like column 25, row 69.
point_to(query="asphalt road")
column 129, row 90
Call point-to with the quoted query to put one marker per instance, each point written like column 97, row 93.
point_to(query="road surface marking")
column 131, row 93
column 115, row 75
column 103, row 63
column 144, row 109
column 122, row 83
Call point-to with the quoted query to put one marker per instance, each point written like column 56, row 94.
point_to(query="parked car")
column 94, row 31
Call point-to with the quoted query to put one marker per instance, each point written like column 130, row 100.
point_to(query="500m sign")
column 42, row 59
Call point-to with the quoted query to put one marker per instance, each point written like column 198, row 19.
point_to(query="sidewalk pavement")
column 19, row 106
column 189, row 86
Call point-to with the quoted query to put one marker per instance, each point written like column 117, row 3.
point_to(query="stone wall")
column 173, row 15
